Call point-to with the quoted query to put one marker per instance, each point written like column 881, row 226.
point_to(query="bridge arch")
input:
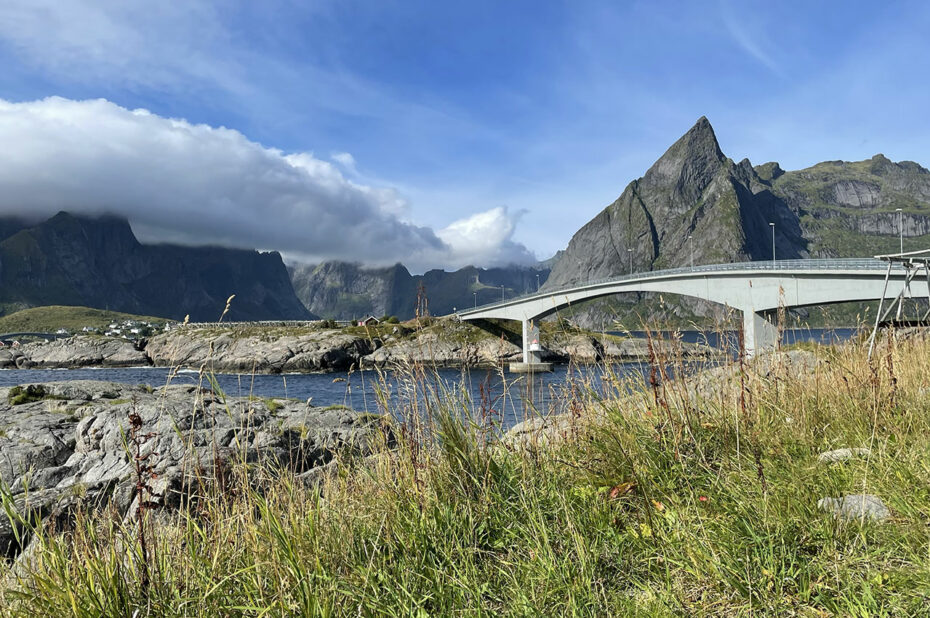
column 755, row 288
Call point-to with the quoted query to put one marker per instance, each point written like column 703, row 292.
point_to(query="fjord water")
column 503, row 398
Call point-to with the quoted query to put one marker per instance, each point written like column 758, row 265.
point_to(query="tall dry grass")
column 693, row 496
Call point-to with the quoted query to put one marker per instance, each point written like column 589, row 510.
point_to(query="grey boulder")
column 860, row 507
column 842, row 454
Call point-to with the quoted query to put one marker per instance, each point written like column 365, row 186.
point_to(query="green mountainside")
column 73, row 319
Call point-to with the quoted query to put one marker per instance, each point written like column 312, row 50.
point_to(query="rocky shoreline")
column 311, row 350
column 67, row 444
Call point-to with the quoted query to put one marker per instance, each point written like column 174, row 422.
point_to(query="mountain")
column 342, row 290
column 833, row 209
column 98, row 262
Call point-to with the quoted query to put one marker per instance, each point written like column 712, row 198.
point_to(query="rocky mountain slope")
column 832, row 209
column 342, row 291
column 98, row 262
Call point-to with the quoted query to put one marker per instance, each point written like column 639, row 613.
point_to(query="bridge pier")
column 759, row 335
column 532, row 363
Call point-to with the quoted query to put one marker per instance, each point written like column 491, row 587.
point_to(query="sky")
column 437, row 134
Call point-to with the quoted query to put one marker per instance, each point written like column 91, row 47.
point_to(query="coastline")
column 443, row 343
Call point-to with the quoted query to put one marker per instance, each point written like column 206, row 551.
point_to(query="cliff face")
column 849, row 208
column 833, row 209
column 341, row 290
column 97, row 262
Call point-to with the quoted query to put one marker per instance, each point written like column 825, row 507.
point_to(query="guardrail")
column 814, row 264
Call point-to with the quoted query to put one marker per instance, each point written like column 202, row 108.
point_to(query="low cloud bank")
column 196, row 184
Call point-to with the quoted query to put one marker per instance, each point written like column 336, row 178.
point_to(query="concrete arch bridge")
column 757, row 289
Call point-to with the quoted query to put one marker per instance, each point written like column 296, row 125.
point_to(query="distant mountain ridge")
column 98, row 262
column 832, row 209
column 342, row 290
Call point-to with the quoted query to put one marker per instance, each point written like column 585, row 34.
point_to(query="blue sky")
column 453, row 110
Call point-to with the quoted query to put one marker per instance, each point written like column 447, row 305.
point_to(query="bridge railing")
column 814, row 264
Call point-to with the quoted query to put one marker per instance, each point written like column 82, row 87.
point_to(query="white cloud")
column 486, row 237
column 196, row 184
column 748, row 41
column 106, row 39
column 346, row 160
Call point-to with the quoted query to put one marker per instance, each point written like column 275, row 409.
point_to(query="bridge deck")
column 731, row 269
column 754, row 288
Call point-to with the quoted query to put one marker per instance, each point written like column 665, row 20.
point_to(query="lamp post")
column 772, row 225
column 476, row 299
column 630, row 253
column 537, row 283
column 691, row 245
column 900, row 229
column 502, row 292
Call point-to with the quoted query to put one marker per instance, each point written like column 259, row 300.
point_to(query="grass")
column 19, row 395
column 695, row 497
column 50, row 319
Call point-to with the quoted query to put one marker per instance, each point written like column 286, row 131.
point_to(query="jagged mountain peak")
column 770, row 171
column 689, row 164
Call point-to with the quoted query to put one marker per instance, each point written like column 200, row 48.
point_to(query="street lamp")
column 537, row 283
column 691, row 245
column 476, row 299
column 772, row 225
column 502, row 291
column 900, row 229
column 630, row 253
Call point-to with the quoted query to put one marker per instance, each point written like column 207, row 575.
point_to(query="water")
column 507, row 398
column 728, row 339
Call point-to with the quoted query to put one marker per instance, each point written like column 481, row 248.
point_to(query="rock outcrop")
column 443, row 351
column 65, row 443
column 317, row 350
column 89, row 351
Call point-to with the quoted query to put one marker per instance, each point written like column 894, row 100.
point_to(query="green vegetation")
column 832, row 239
column 19, row 395
column 697, row 498
column 50, row 319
